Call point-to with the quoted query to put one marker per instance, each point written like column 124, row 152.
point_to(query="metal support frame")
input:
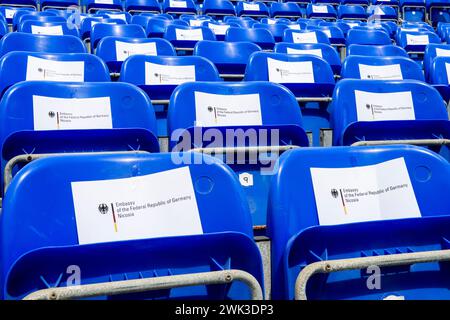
column 417, row 142
column 287, row 16
column 61, row 8
column 163, row 102
column 419, row 7
column 142, row 11
column 431, row 13
column 150, row 284
column 94, row 10
column 184, row 49
column 393, row 260
column 27, row 158
column 255, row 15
column 232, row 76
column 314, row 99
column 19, row 6
column 255, row 149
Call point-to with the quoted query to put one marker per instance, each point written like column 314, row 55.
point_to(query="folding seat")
column 115, row 50
column 94, row 5
column 381, row 68
column 324, row 51
column 285, row 10
column 308, row 77
column 19, row 13
column 383, row 13
column 305, row 36
column 438, row 11
column 89, row 22
column 413, row 10
column 166, row 241
column 368, row 36
column 44, row 117
column 277, row 30
column 373, row 50
column 415, row 42
column 389, row 112
column 48, row 28
column 242, row 23
column 29, row 17
column 439, row 76
column 101, row 30
column 125, row 16
column 355, row 209
column 179, row 7
column 245, row 114
column 326, row 12
column 9, row 12
column 230, row 58
column 219, row 28
column 261, row 37
column 441, row 28
column 432, row 51
column 355, row 12
column 334, row 34
column 20, row 66
column 341, row 25
column 58, row 4
column 363, row 3
column 137, row 6
column 252, row 9
column 19, row 41
column 156, row 27
column 218, row 8
column 21, row 3
column 185, row 38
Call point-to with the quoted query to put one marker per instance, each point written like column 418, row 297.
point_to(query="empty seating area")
column 224, row 150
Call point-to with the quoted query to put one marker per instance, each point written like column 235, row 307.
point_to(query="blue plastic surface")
column 261, row 37
column 142, row 6
column 263, row 10
column 351, row 12
column 27, row 27
column 101, row 30
column 91, row 6
column 171, row 35
column 372, row 50
column 331, row 13
column 277, row 30
column 189, row 9
column 285, row 9
column 367, row 37
column 218, row 7
column 156, row 26
column 289, row 35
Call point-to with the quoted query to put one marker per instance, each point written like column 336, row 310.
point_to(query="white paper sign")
column 51, row 70
column 158, row 74
column 177, row 4
column 377, row 192
column 409, row 29
column 52, row 30
column 218, row 29
column 251, row 6
column 371, row 106
column 294, row 26
column 69, row 114
column 127, row 49
column 162, row 204
column 352, row 25
column 442, row 52
column 196, row 23
column 189, row 35
column 417, row 39
column 103, row 1
column 319, row 9
column 213, row 110
column 314, row 52
column 304, row 37
column 290, row 71
column 9, row 14
column 447, row 69
column 327, row 32
column 271, row 21
column 388, row 72
column 120, row 16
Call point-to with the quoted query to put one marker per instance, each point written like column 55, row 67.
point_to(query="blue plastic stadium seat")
column 305, row 36
column 9, row 12
column 363, row 3
column 277, row 30
column 3, row 28
column 101, row 30
column 89, row 22
column 413, row 10
column 230, row 58
column 373, row 50
column 136, row 6
column 352, row 12
column 383, row 12
column 438, row 11
column 334, row 34
column 432, row 51
column 159, row 76
column 387, row 110
column 227, row 18
column 125, row 16
column 219, row 28
column 416, row 41
column 285, row 10
column 381, row 68
column 38, row 18
column 194, row 20
column 261, row 37
column 24, row 14
column 187, row 120
column 343, row 25
column 48, row 28
column 299, row 239
column 179, row 7
column 19, row 41
column 218, row 240
column 367, row 36
column 325, row 11
column 115, row 50
column 58, row 4
column 186, row 37
column 156, row 27
column 439, row 76
column 218, row 8
column 325, row 51
column 21, row 3
column 252, row 9
column 93, row 5
column 123, row 119
column 25, row 66
column 241, row 22
column 274, row 20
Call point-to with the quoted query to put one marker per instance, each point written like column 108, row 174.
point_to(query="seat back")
column 47, row 28
column 258, row 9
column 261, row 37
column 369, row 36
column 157, row 26
column 326, row 11
column 179, row 6
column 187, row 37
column 440, row 71
column 416, row 40
column 432, row 51
column 305, row 36
column 142, row 6
column 285, row 9
column 92, row 5
column 277, row 30
column 218, row 28
column 218, row 7
column 372, row 50
column 101, row 30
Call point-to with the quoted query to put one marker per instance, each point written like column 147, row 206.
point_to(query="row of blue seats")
column 51, row 229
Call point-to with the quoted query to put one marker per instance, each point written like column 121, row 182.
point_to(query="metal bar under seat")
column 255, row 149
column 417, row 142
